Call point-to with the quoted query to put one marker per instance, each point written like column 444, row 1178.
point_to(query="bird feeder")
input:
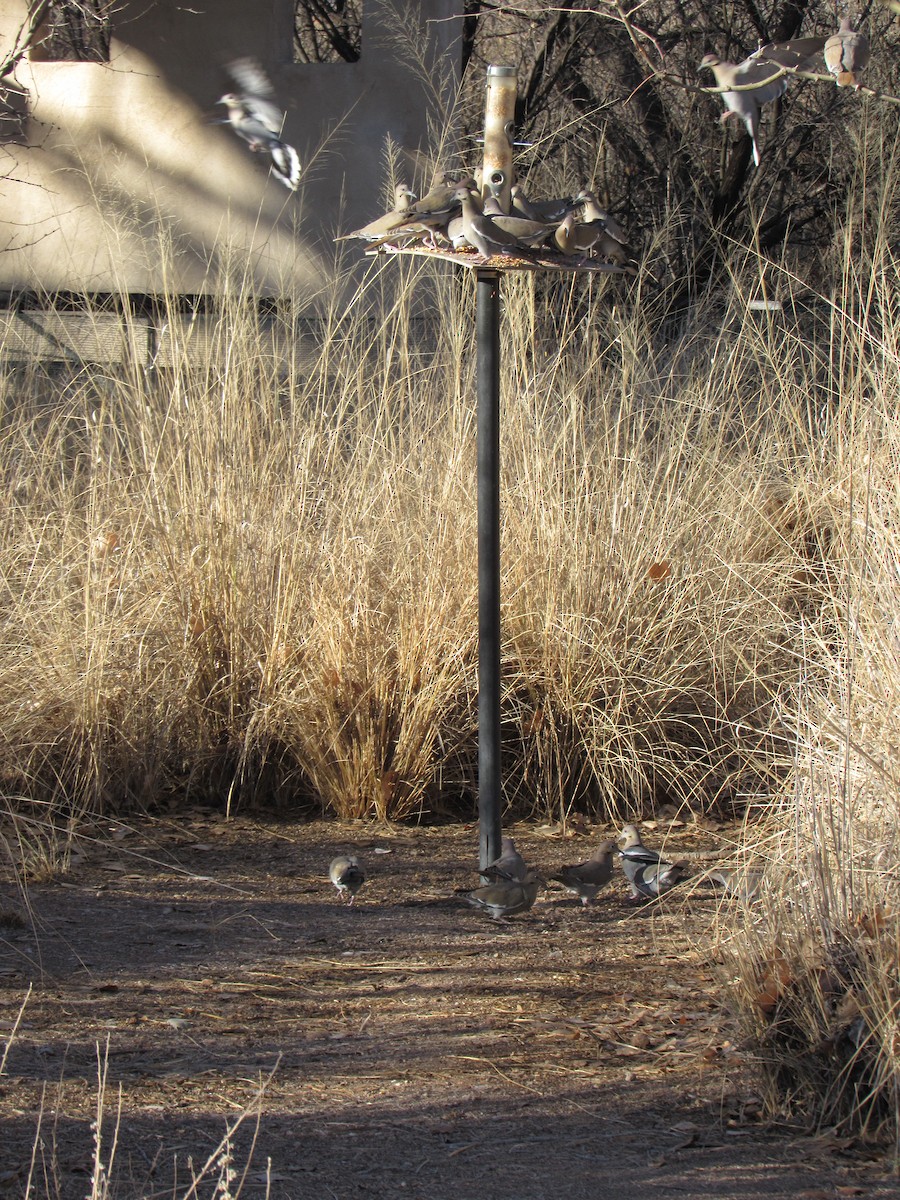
column 497, row 179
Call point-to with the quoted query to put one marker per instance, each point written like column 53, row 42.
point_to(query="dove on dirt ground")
column 586, row 879
column 508, row 897
column 744, row 883
column 509, row 864
column 632, row 848
column 648, row 874
column 347, row 875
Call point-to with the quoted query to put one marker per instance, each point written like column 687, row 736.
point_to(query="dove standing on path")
column 508, row 865
column 846, row 53
column 586, row 879
column 648, row 875
column 255, row 117
column 760, row 82
column 508, row 897
column 347, row 875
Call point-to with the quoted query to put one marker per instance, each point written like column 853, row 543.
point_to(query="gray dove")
column 586, row 879
column 347, row 875
column 643, row 868
column 255, row 117
column 527, row 233
column 508, row 865
column 799, row 54
column 539, row 210
column 481, row 231
column 846, row 53
column 759, row 82
column 632, row 848
column 508, row 897
column 382, row 227
column 742, row 882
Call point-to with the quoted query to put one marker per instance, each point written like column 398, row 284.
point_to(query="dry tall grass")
column 250, row 572
column 817, row 960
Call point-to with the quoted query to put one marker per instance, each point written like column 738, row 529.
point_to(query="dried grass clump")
column 818, row 960
column 247, row 573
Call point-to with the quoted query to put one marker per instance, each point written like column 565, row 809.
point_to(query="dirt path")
column 411, row 1046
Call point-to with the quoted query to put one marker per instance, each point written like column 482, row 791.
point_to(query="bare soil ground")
column 409, row 1046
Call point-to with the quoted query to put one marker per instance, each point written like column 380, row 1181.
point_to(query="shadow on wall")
column 126, row 184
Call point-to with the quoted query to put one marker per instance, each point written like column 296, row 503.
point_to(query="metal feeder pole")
column 496, row 180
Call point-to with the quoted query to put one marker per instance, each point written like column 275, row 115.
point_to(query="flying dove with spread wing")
column 255, row 117
column 757, row 82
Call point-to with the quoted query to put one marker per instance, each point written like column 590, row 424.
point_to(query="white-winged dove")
column 599, row 233
column 481, row 231
column 347, row 875
column 846, row 54
column 642, row 866
column 593, row 212
column 759, row 82
column 255, row 117
column 587, row 878
column 441, row 198
column 508, row 897
column 741, row 882
column 799, row 54
column 571, row 237
column 384, row 225
column 526, row 233
column 650, row 880
column 509, row 864
column 539, row 210
column 631, row 846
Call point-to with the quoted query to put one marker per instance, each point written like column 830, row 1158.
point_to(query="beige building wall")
column 119, row 180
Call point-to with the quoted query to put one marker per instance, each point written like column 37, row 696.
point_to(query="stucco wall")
column 123, row 182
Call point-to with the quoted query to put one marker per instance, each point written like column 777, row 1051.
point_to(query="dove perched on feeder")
column 255, row 117
column 599, row 232
column 508, row 865
column 385, row 225
column 759, row 82
column 508, row 897
column 566, row 239
column 642, row 866
column 574, row 238
column 847, row 53
column 586, row 879
column 481, row 231
column 526, row 233
column 550, row 211
column 347, row 875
